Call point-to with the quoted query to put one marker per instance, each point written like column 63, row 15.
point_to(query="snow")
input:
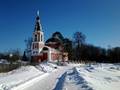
column 91, row 77
column 101, row 76
column 49, row 82
column 49, row 76
column 24, row 74
column 46, row 67
column 74, row 81
column 3, row 61
column 60, row 82
column 18, row 76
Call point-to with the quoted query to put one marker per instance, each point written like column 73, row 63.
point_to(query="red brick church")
column 41, row 51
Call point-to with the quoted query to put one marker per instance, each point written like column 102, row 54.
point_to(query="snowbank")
column 24, row 74
column 101, row 76
column 47, row 67
column 91, row 77
column 74, row 81
column 4, row 61
column 18, row 76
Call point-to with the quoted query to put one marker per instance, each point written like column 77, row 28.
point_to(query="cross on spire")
column 38, row 13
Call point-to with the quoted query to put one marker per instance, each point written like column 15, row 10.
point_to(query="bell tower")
column 38, row 37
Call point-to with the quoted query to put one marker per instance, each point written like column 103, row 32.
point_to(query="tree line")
column 11, row 55
column 79, row 50
column 77, row 47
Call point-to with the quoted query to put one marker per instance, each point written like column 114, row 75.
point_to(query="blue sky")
column 99, row 20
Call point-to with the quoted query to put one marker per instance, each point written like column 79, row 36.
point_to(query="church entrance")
column 45, row 53
column 45, row 56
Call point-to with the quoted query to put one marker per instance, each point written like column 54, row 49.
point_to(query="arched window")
column 35, row 38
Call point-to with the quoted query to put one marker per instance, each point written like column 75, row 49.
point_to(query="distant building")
column 52, row 50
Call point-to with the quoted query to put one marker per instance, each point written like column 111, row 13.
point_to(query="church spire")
column 38, row 26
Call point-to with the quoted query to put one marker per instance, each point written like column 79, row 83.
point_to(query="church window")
column 34, row 52
column 35, row 38
column 41, row 38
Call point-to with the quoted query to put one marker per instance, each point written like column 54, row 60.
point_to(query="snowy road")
column 49, row 82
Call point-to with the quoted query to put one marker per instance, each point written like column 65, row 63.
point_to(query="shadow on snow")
column 60, row 83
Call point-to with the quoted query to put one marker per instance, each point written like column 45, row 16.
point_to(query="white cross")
column 38, row 12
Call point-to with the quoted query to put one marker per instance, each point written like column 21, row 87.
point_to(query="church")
column 51, row 50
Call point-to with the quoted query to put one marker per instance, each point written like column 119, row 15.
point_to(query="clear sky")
column 99, row 20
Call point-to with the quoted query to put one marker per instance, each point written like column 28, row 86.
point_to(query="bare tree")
column 79, row 40
column 28, row 43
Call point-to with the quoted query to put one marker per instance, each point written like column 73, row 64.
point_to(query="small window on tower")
column 41, row 37
column 35, row 46
column 34, row 52
column 35, row 38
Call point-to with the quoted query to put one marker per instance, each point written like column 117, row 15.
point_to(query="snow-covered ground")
column 48, row 76
column 24, row 74
column 93, row 77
